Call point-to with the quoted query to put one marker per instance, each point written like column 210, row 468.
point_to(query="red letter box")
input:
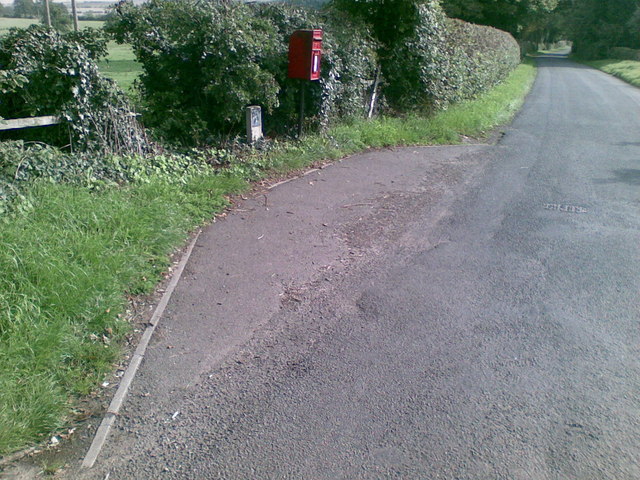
column 305, row 51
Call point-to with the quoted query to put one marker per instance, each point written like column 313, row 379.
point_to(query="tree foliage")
column 513, row 16
column 25, row 9
column 595, row 26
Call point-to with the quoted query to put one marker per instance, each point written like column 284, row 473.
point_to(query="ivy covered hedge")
column 22, row 164
column 198, row 75
column 203, row 62
column 429, row 61
column 44, row 72
column 348, row 67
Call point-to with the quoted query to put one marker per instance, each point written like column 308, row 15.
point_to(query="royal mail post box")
column 305, row 52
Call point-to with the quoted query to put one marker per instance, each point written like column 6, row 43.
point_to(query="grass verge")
column 474, row 119
column 69, row 261
column 627, row 70
column 67, row 265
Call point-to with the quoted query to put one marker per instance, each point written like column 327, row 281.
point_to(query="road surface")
column 454, row 313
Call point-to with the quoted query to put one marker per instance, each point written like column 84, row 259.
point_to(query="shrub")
column 201, row 64
column 414, row 68
column 480, row 57
column 43, row 72
column 198, row 76
column 623, row 53
column 22, row 164
column 429, row 60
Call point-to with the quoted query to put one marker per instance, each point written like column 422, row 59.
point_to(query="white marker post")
column 254, row 124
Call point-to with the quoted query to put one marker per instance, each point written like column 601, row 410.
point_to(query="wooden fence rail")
column 17, row 123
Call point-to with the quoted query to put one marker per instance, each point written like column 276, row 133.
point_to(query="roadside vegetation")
column 73, row 254
column 91, row 210
column 119, row 63
column 627, row 70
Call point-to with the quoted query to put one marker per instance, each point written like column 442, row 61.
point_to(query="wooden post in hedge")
column 374, row 93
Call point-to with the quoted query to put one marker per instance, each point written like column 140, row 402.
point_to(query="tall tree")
column 25, row 9
column 513, row 16
column 595, row 26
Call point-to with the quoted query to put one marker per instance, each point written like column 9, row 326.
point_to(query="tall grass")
column 71, row 258
column 67, row 264
column 627, row 70
column 473, row 118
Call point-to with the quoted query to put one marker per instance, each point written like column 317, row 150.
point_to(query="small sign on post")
column 254, row 124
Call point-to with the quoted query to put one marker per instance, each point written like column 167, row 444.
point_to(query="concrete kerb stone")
column 118, row 399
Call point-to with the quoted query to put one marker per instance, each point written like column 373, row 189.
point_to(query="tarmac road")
column 422, row 313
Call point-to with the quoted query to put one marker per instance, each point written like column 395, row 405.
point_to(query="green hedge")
column 44, row 72
column 198, row 76
column 415, row 67
column 623, row 53
column 428, row 60
column 481, row 57
column 347, row 74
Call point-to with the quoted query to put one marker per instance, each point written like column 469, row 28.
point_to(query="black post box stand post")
column 303, row 85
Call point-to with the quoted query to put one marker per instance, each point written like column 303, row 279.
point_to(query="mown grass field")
column 70, row 256
column 7, row 23
column 119, row 65
column 627, row 70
